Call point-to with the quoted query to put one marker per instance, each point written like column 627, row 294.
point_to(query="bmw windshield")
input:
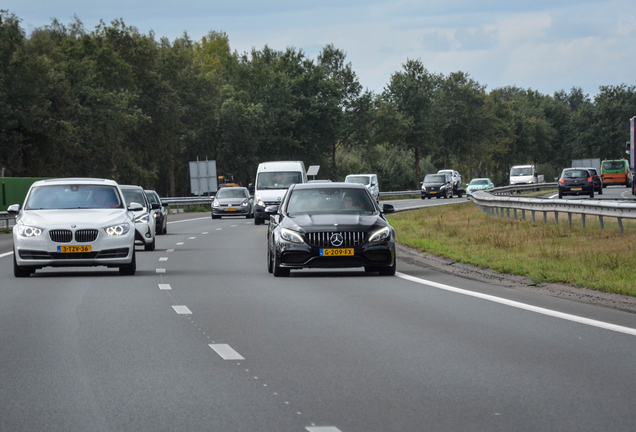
column 73, row 196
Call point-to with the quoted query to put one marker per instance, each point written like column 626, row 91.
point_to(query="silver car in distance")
column 74, row 222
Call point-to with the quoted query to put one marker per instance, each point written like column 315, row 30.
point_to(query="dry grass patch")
column 591, row 257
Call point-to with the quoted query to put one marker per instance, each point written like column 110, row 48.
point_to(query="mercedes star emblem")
column 336, row 239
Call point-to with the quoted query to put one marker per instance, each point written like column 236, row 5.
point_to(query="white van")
column 272, row 181
column 369, row 180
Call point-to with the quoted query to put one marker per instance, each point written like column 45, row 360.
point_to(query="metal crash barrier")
column 501, row 206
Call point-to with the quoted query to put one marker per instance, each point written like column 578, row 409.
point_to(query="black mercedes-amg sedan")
column 329, row 225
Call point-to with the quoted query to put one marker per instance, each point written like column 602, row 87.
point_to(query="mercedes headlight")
column 424, row 188
column 142, row 218
column 29, row 231
column 291, row 236
column 117, row 230
column 380, row 235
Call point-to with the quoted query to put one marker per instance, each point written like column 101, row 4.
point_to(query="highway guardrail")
column 501, row 206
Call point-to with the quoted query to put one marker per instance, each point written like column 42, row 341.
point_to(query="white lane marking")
column 219, row 229
column 169, row 250
column 180, row 243
column 204, row 233
column 191, row 238
column 165, row 287
column 232, row 226
column 163, row 259
column 519, row 305
column 183, row 310
column 322, row 429
column 189, row 220
column 160, row 270
column 6, row 254
column 226, row 352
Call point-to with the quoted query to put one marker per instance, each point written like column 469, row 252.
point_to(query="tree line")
column 115, row 103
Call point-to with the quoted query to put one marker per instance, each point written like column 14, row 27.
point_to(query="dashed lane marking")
column 191, row 238
column 519, row 305
column 322, row 429
column 163, row 259
column 182, row 310
column 169, row 250
column 226, row 352
column 189, row 220
column 165, row 287
column 160, row 270
column 180, row 243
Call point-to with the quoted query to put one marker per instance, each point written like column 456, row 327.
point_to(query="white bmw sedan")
column 74, row 222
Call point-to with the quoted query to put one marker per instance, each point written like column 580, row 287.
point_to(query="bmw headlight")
column 29, row 231
column 380, row 235
column 117, row 230
column 291, row 236
column 261, row 203
column 142, row 218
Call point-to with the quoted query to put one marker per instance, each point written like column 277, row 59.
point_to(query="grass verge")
column 585, row 257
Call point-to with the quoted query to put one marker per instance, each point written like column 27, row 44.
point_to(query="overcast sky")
column 545, row 45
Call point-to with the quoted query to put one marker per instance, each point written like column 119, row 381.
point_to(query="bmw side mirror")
column 13, row 209
column 135, row 207
column 388, row 208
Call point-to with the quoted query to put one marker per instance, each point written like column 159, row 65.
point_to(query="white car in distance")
column 74, row 222
column 370, row 181
column 145, row 223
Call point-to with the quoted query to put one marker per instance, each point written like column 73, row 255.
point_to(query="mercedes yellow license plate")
column 336, row 252
column 577, row 188
column 433, row 192
column 230, row 209
column 73, row 249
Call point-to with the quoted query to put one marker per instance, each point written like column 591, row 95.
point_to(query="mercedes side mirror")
column 13, row 209
column 388, row 208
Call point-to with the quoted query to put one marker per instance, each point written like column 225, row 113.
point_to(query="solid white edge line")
column 6, row 254
column 519, row 305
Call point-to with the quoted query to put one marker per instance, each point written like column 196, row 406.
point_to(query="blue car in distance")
column 479, row 184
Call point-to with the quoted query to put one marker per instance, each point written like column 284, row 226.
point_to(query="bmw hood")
column 82, row 218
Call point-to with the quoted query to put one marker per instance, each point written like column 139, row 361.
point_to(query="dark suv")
column 576, row 181
column 437, row 185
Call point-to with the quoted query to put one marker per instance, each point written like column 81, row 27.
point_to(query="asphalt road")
column 203, row 338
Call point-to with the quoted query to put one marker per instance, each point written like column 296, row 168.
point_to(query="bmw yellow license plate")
column 73, row 249
column 336, row 252
column 577, row 189
column 230, row 209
